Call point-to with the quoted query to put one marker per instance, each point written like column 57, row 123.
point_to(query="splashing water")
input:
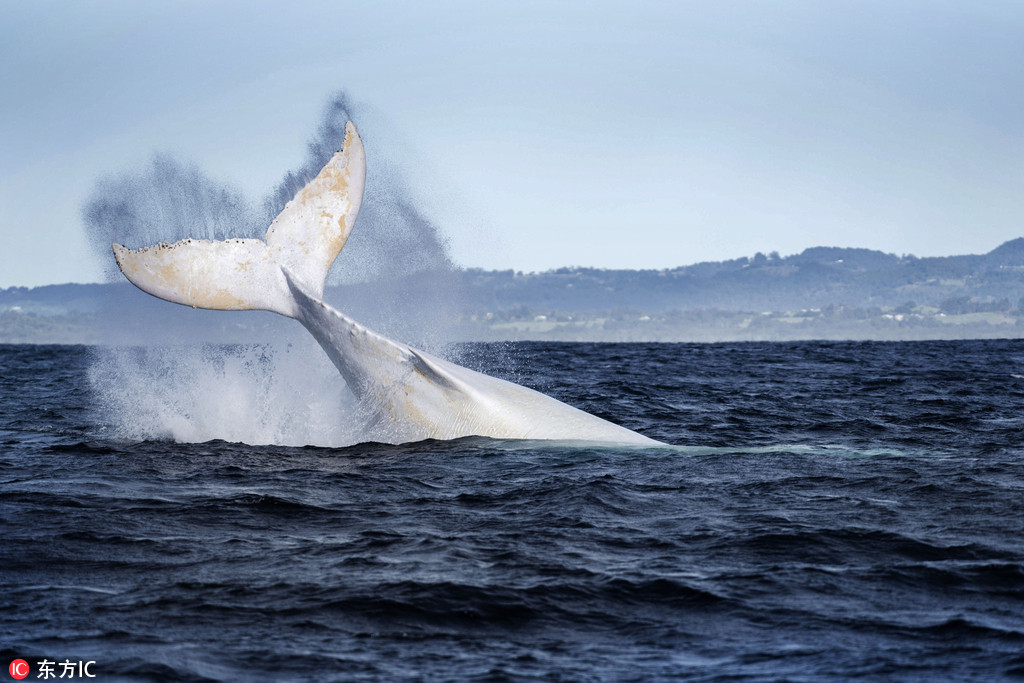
column 394, row 245
column 285, row 391
column 261, row 394
column 167, row 201
column 393, row 238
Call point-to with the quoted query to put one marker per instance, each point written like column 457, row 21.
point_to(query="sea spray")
column 257, row 394
column 394, row 247
column 283, row 391
column 166, row 200
column 392, row 238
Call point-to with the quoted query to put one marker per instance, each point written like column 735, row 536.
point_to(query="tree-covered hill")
column 814, row 278
column 822, row 292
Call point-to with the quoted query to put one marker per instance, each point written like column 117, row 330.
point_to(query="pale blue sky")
column 540, row 134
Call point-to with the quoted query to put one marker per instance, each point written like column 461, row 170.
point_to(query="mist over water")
column 284, row 395
column 285, row 391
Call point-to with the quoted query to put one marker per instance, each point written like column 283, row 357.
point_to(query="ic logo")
column 19, row 669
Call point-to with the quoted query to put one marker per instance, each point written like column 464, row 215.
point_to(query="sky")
column 539, row 134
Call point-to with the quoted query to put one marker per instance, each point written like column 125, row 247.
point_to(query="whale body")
column 410, row 393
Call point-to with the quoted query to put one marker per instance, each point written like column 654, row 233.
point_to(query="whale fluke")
column 415, row 394
column 246, row 274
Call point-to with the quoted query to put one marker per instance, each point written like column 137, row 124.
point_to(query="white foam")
column 286, row 394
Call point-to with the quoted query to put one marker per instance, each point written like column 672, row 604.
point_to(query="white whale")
column 415, row 395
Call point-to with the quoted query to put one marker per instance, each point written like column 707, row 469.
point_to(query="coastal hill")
column 820, row 293
column 814, row 278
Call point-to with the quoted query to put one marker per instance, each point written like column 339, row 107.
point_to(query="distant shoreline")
column 676, row 326
column 823, row 293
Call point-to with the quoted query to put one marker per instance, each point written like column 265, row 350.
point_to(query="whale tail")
column 253, row 274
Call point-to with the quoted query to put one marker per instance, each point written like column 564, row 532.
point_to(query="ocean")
column 823, row 512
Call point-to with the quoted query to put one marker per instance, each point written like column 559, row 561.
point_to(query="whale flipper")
column 417, row 395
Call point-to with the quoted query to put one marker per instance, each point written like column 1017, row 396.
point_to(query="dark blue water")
column 832, row 511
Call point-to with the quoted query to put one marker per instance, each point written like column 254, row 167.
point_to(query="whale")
column 407, row 394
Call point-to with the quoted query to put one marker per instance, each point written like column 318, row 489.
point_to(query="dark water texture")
column 831, row 511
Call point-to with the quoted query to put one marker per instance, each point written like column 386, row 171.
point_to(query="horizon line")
column 771, row 257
